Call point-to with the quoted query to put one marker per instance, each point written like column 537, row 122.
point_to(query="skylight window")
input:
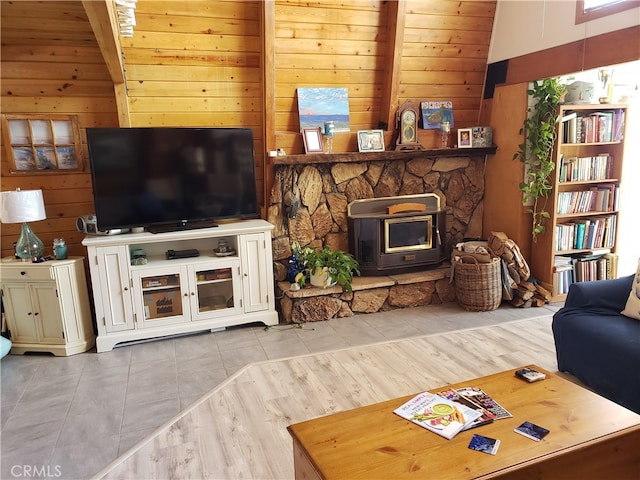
column 587, row 10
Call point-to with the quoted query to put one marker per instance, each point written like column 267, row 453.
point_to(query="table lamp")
column 22, row 206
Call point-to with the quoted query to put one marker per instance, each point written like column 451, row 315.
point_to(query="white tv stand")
column 167, row 297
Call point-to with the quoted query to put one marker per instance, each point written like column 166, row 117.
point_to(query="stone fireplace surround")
column 309, row 201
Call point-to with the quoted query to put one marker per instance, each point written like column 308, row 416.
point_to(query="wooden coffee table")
column 591, row 437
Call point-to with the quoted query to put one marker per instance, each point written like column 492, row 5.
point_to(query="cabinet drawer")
column 25, row 273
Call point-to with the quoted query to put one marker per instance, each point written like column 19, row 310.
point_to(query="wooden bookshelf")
column 583, row 204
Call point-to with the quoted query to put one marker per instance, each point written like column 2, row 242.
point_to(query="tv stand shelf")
column 172, row 296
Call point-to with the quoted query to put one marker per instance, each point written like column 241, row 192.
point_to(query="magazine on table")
column 485, row 415
column 438, row 414
column 477, row 395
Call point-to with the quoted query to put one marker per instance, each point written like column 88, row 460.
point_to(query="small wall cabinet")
column 162, row 296
column 47, row 306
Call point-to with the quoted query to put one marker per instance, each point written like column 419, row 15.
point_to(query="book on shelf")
column 612, row 265
column 569, row 123
column 586, row 266
column 587, row 234
column 595, row 127
column 563, row 278
column 437, row 414
column 590, row 266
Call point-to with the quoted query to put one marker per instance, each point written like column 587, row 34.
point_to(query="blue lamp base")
column 29, row 246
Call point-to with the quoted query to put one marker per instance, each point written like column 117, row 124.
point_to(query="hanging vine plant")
column 537, row 150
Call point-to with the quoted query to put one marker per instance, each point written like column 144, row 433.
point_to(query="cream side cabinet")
column 47, row 306
column 164, row 297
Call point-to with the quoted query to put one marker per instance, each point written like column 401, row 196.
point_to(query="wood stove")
column 400, row 234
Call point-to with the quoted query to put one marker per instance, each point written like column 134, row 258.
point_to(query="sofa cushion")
column 607, row 297
column 632, row 308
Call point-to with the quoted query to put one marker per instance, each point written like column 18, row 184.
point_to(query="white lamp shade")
column 21, row 206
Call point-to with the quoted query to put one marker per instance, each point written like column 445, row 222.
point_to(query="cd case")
column 532, row 431
column 484, row 444
column 530, row 375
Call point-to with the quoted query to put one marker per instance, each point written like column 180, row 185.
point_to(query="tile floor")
column 69, row 417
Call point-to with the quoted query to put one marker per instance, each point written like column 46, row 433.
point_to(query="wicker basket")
column 478, row 285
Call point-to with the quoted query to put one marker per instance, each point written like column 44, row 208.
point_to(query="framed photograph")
column 370, row 141
column 482, row 137
column 312, row 140
column 464, row 138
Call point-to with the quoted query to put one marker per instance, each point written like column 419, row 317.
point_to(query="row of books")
column 451, row 411
column 597, row 232
column 596, row 127
column 601, row 198
column 585, row 268
column 585, row 169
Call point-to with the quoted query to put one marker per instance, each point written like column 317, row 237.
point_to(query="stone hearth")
column 369, row 295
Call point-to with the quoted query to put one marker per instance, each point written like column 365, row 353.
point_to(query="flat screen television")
column 168, row 178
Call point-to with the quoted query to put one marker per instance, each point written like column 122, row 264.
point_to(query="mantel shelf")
column 351, row 157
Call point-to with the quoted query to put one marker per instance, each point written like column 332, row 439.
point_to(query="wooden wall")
column 384, row 53
column 51, row 63
column 237, row 63
column 197, row 64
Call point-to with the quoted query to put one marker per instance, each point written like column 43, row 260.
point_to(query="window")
column 587, row 10
column 42, row 143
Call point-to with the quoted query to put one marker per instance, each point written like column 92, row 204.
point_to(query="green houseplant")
column 336, row 266
column 537, row 150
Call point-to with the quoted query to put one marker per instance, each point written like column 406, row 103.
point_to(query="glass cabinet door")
column 217, row 291
column 163, row 298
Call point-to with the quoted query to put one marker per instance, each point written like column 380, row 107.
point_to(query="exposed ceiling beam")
column 104, row 23
column 103, row 19
column 390, row 101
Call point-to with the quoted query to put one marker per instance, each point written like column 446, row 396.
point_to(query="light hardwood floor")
column 239, row 429
column 78, row 414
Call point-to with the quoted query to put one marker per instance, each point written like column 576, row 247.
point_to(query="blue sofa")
column 597, row 344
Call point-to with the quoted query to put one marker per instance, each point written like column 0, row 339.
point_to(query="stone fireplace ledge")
column 369, row 295
column 347, row 157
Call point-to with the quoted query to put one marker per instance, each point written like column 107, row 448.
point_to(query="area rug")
column 238, row 430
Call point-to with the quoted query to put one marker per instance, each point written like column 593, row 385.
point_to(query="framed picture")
column 481, row 137
column 464, row 138
column 370, row 141
column 312, row 140
column 318, row 105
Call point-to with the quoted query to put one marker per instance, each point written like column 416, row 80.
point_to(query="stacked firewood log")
column 518, row 287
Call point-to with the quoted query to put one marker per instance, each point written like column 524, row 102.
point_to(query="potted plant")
column 537, row 151
column 325, row 267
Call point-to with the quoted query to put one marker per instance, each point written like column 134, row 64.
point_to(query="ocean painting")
column 319, row 105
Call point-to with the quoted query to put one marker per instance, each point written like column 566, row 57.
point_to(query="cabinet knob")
column 23, row 273
column 186, row 294
column 36, row 314
column 193, row 294
column 126, row 289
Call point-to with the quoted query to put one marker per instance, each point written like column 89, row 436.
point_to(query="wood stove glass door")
column 408, row 233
